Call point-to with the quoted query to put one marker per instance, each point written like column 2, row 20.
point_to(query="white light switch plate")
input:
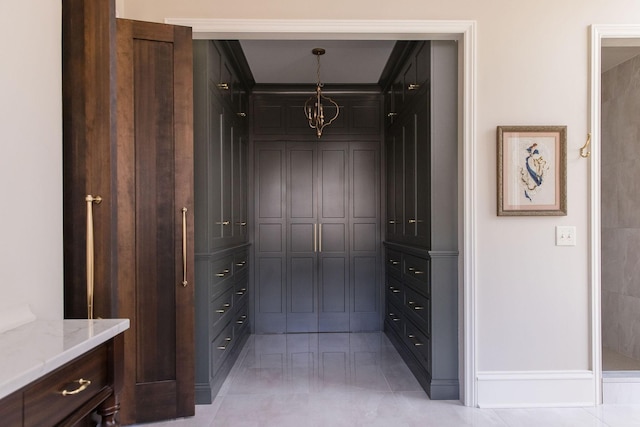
column 565, row 235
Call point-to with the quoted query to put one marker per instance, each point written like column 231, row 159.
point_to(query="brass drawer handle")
column 241, row 263
column 394, row 262
column 224, row 347
column 394, row 317
column 241, row 114
column 223, row 273
column 241, row 319
column 414, row 306
column 413, row 86
column 392, row 221
column 414, row 271
column 241, row 291
column 415, row 341
column 392, row 114
column 83, row 386
column 224, row 308
column 241, row 223
column 412, row 221
column 223, row 223
column 394, row 289
column 223, row 86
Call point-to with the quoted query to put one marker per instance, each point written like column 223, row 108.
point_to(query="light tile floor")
column 335, row 380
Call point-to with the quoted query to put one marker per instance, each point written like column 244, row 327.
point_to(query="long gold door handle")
column 184, row 247
column 90, row 252
column 320, row 238
column 315, row 237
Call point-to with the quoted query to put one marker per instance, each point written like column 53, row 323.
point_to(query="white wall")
column 31, row 156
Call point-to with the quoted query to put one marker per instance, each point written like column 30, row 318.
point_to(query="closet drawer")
column 240, row 262
column 66, row 389
column 419, row 306
column 240, row 289
column 221, row 272
column 419, row 344
column 416, row 270
column 241, row 321
column 394, row 290
column 221, row 347
column 393, row 261
column 221, row 308
column 394, row 318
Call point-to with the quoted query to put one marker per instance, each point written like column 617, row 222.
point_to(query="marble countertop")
column 33, row 350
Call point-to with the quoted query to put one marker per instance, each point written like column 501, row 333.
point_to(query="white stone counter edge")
column 31, row 351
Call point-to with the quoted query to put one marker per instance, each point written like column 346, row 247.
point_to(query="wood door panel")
column 270, row 275
column 302, row 183
column 155, row 182
column 269, row 183
column 302, row 284
column 334, row 286
column 333, row 238
column 364, row 171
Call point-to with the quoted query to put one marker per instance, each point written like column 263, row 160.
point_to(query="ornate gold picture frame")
column 532, row 170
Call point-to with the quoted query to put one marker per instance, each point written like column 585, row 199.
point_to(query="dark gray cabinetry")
column 221, row 147
column 421, row 248
column 317, row 218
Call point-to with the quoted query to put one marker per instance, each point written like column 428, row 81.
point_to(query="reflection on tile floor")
column 356, row 379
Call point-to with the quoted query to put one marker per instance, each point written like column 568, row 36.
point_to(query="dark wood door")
column 155, row 219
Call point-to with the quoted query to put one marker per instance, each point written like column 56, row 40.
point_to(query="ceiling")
column 291, row 61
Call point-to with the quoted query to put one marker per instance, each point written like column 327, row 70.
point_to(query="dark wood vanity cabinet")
column 421, row 247
column 221, row 147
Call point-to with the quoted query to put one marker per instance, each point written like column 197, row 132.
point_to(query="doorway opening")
column 616, row 360
column 464, row 33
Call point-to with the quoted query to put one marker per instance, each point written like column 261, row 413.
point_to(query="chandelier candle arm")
column 313, row 107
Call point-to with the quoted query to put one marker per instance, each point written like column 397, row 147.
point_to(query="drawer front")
column 419, row 306
column 221, row 272
column 241, row 321
column 416, row 270
column 393, row 261
column 53, row 398
column 419, row 344
column 11, row 410
column 240, row 289
column 221, row 347
column 394, row 290
column 394, row 318
column 221, row 309
column 241, row 262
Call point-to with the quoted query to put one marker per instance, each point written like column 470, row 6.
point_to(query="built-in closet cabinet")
column 421, row 255
column 317, row 217
column 221, row 146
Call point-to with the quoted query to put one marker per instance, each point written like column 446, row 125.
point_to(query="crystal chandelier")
column 313, row 108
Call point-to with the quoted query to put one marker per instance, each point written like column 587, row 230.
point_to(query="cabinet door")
column 398, row 172
column 239, row 185
column 333, row 237
column 215, row 120
column 423, row 173
column 227, row 143
column 390, row 187
column 269, row 238
column 302, row 238
column 155, row 197
column 409, row 139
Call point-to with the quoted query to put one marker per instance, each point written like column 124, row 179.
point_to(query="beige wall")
column 31, row 157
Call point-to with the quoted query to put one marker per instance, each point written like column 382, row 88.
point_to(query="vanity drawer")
column 66, row 389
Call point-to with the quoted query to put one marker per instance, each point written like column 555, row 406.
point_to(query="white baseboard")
column 621, row 389
column 535, row 389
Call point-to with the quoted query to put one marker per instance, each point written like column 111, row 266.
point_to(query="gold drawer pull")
column 415, row 340
column 223, row 223
column 241, row 114
column 223, row 86
column 415, row 307
column 392, row 114
column 224, row 347
column 394, row 262
column 241, row 264
column 241, row 223
column 412, row 221
column 241, row 291
column 413, row 86
column 394, row 290
column 223, row 273
column 392, row 221
column 241, row 319
column 394, row 317
column 414, row 271
column 83, row 386
column 224, row 308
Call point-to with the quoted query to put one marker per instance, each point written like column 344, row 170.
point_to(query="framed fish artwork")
column 532, row 170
